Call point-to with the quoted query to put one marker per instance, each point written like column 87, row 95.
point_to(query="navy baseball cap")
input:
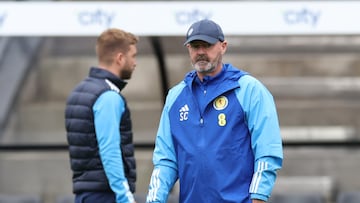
column 205, row 30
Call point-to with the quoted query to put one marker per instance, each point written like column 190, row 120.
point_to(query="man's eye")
column 197, row 46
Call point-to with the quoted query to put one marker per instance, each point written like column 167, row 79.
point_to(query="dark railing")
column 150, row 146
column 55, row 147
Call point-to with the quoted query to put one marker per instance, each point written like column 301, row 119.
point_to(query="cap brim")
column 205, row 38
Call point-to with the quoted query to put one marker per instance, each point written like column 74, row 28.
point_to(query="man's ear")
column 223, row 47
column 119, row 58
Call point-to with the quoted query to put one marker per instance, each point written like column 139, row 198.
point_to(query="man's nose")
column 201, row 49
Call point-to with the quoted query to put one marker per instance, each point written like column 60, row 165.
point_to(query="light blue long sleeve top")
column 108, row 109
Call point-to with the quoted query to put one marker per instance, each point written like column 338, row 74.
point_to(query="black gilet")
column 88, row 171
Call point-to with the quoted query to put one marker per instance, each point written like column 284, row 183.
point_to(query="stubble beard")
column 126, row 74
column 204, row 67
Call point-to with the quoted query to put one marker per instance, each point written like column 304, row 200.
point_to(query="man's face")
column 129, row 64
column 205, row 57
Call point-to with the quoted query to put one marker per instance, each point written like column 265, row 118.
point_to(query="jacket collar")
column 104, row 74
column 227, row 72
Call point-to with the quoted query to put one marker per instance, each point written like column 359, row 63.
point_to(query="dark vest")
column 88, row 171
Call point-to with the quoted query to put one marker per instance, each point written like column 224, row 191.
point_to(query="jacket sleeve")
column 108, row 109
column 165, row 170
column 263, row 124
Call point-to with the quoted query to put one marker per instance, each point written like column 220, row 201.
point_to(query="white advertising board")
column 172, row 18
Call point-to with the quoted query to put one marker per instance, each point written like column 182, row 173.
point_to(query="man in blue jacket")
column 219, row 133
column 98, row 124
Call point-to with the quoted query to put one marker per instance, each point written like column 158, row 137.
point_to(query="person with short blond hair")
column 98, row 124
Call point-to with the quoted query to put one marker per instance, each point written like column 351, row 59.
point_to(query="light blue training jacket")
column 220, row 138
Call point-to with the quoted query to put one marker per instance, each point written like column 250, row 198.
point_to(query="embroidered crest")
column 220, row 103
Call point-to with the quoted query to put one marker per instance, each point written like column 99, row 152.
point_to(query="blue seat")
column 297, row 198
column 348, row 197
